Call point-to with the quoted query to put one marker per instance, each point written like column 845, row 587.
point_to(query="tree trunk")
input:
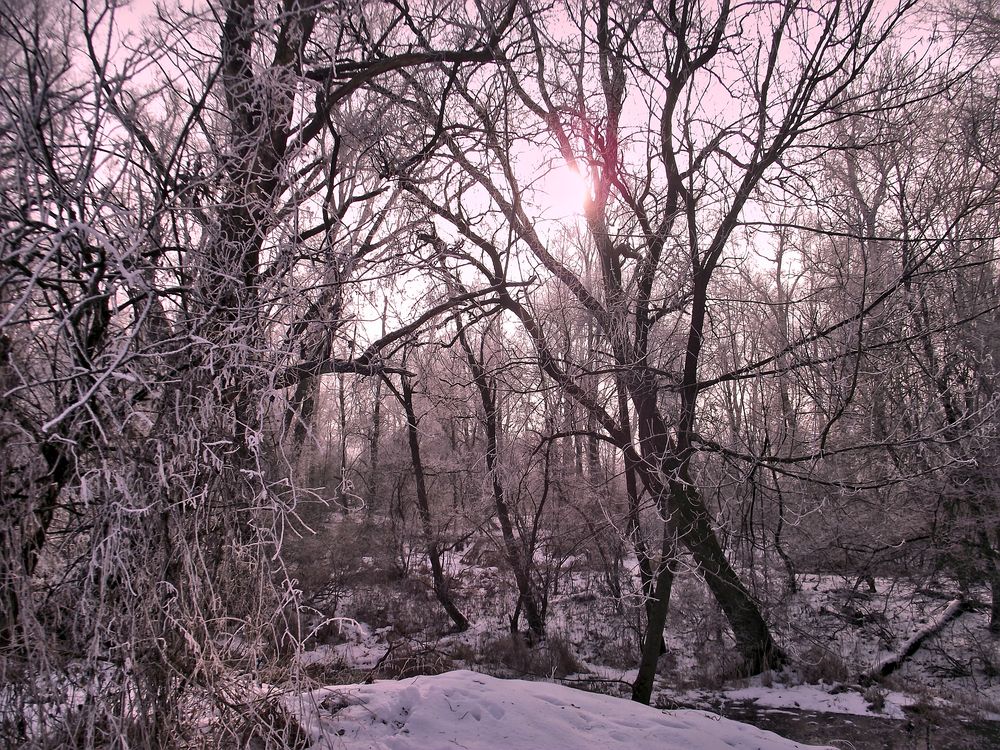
column 753, row 637
column 792, row 582
column 519, row 559
column 993, row 566
column 342, row 499
column 995, row 603
column 681, row 502
column 653, row 645
column 29, row 534
column 373, row 449
column 376, row 436
column 441, row 588
column 646, row 577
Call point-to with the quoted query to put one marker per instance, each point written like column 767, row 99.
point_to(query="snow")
column 849, row 633
column 464, row 709
column 816, row 698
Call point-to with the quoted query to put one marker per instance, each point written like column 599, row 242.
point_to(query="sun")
column 563, row 192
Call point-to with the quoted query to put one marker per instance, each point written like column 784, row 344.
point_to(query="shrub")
column 553, row 657
column 409, row 612
column 618, row 649
column 819, row 664
column 463, row 652
column 874, row 696
column 412, row 660
column 267, row 725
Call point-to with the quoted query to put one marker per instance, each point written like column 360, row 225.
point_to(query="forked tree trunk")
column 681, row 502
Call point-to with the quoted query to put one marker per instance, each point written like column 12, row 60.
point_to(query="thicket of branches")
column 263, row 262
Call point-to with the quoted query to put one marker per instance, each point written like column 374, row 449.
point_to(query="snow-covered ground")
column 836, row 633
column 464, row 709
column 822, row 699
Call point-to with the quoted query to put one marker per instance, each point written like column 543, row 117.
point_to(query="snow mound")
column 477, row 712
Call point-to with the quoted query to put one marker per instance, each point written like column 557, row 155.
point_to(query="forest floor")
column 947, row 695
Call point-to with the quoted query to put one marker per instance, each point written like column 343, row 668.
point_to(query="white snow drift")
column 474, row 711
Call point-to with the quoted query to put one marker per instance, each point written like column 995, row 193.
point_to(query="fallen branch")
column 890, row 664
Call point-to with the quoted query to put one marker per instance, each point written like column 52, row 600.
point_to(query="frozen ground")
column 464, row 709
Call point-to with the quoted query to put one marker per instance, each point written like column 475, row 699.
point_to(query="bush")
column 553, row 657
column 267, row 725
column 463, row 652
column 408, row 612
column 819, row 664
column 616, row 647
column 875, row 698
column 413, row 660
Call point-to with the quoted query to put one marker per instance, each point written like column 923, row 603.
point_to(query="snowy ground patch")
column 815, row 698
column 478, row 712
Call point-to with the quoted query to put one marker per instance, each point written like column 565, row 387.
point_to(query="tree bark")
column 753, row 637
column 995, row 602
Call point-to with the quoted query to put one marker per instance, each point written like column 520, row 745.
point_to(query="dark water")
column 924, row 729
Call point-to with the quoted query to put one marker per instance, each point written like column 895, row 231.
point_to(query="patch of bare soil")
column 923, row 729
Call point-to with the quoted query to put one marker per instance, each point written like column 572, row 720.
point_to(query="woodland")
column 648, row 305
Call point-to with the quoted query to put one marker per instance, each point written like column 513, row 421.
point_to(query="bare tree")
column 183, row 216
column 728, row 97
column 432, row 544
